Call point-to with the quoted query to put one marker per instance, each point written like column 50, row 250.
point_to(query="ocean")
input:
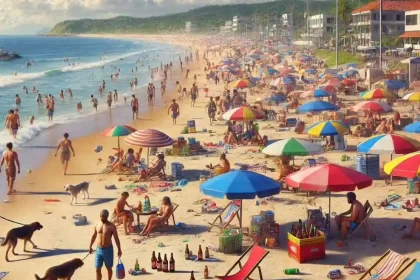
column 90, row 61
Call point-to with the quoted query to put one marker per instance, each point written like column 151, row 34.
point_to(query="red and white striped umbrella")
column 149, row 138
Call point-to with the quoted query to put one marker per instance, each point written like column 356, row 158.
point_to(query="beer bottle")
column 154, row 260
column 159, row 263
column 137, row 266
column 192, row 276
column 207, row 253
column 165, row 264
column 200, row 253
column 187, row 252
column 206, row 272
column 293, row 230
column 172, row 263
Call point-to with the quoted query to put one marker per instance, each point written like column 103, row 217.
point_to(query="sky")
column 30, row 16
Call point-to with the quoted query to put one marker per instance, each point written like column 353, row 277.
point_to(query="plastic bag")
column 120, row 270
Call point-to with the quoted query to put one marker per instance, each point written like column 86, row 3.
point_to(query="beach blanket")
column 252, row 167
column 3, row 274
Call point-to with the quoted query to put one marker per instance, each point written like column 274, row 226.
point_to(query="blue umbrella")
column 321, row 93
column 317, row 106
column 275, row 98
column 413, row 128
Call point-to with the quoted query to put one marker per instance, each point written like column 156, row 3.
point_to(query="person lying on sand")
column 162, row 215
column 124, row 216
column 357, row 215
column 414, row 228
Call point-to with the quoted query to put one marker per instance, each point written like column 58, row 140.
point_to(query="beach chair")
column 157, row 172
column 414, row 274
column 389, row 269
column 231, row 210
column 164, row 224
column 256, row 256
column 368, row 211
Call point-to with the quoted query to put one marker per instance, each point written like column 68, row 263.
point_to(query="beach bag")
column 120, row 270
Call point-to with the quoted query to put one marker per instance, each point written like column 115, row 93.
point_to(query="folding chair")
column 389, row 269
column 231, row 210
column 414, row 274
column 368, row 211
column 256, row 256
column 166, row 221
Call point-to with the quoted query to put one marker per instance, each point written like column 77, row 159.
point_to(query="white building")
column 190, row 27
column 241, row 24
column 227, row 28
column 411, row 35
column 321, row 27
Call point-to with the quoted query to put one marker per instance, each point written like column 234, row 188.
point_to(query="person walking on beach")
column 104, row 253
column 194, row 94
column 135, row 107
column 179, row 89
column 211, row 110
column 94, row 102
column 50, row 108
column 66, row 146
column 174, row 107
column 109, row 100
column 11, row 159
column 115, row 95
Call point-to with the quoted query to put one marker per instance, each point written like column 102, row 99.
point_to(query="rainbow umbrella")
column 242, row 83
column 327, row 128
column 407, row 166
column 389, row 144
column 118, row 131
column 244, row 113
column 378, row 93
column 412, row 96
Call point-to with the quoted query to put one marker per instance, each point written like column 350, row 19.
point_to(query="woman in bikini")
column 161, row 216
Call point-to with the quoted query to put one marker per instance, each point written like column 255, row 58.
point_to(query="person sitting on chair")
column 231, row 137
column 222, row 167
column 126, row 216
column 158, row 166
column 357, row 215
column 414, row 228
column 161, row 216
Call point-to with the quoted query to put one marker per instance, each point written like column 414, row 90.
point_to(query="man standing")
column 174, row 107
column 179, row 89
column 104, row 253
column 12, row 160
column 109, row 100
column 18, row 100
column 135, row 107
column 194, row 94
column 115, row 95
column 126, row 216
column 50, row 108
column 94, row 102
column 12, row 122
column 66, row 146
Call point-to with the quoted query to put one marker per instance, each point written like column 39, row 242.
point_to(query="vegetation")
column 343, row 57
column 208, row 18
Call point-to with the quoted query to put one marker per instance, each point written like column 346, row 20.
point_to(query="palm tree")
column 344, row 11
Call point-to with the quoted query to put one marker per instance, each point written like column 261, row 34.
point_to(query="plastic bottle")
column 291, row 271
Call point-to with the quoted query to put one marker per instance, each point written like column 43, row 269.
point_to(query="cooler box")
column 308, row 249
column 192, row 130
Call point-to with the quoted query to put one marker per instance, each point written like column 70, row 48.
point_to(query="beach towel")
column 3, row 274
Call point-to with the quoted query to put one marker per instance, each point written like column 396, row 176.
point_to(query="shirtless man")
column 50, row 108
column 155, row 220
column 12, row 122
column 109, row 100
column 12, row 160
column 135, row 107
column 104, row 253
column 66, row 146
column 174, row 107
column 94, row 102
column 18, row 100
column 125, row 215
column 357, row 215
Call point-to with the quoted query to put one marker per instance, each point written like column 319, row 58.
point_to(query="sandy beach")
column 60, row 240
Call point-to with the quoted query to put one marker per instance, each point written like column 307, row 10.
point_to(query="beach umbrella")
column 318, row 93
column 348, row 82
column 407, row 166
column 149, row 138
column 329, row 88
column 118, row 131
column 412, row 96
column 378, row 93
column 334, row 82
column 241, row 83
column 293, row 147
column 389, row 144
column 413, row 128
column 328, row 178
column 372, row 106
column 327, row 128
column 240, row 185
column 243, row 113
column 317, row 106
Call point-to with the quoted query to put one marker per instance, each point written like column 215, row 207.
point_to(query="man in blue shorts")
column 104, row 253
column 357, row 215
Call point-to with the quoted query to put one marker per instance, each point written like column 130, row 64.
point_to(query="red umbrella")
column 348, row 82
column 328, row 178
column 372, row 106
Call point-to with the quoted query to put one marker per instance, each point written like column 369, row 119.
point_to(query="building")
column 365, row 21
column 227, row 28
column 241, row 25
column 321, row 28
column 190, row 27
column 411, row 35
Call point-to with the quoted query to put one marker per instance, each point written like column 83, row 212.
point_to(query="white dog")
column 76, row 189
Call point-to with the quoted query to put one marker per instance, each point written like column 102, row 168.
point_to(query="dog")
column 62, row 271
column 24, row 233
column 76, row 189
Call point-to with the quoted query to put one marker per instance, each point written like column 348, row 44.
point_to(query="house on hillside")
column 365, row 20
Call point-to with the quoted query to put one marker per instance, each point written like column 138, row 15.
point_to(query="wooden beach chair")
column 231, row 210
column 414, row 274
column 156, row 172
column 389, row 269
column 256, row 256
column 164, row 225
column 368, row 211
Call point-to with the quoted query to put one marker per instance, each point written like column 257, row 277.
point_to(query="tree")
column 344, row 11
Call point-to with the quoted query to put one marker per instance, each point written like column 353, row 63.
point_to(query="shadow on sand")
column 42, row 253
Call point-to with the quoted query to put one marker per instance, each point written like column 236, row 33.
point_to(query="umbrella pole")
column 148, row 152
column 329, row 216
column 119, row 145
column 240, row 219
column 390, row 175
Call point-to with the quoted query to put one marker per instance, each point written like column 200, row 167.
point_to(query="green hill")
column 207, row 18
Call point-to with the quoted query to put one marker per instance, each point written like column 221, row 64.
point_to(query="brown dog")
column 24, row 233
column 62, row 271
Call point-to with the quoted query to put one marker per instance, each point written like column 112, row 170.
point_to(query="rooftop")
column 402, row 5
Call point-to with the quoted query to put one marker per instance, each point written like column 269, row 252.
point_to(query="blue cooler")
column 176, row 170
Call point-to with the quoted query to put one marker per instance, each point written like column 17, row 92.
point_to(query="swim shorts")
column 50, row 113
column 134, row 109
column 174, row 115
column 104, row 255
column 353, row 225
